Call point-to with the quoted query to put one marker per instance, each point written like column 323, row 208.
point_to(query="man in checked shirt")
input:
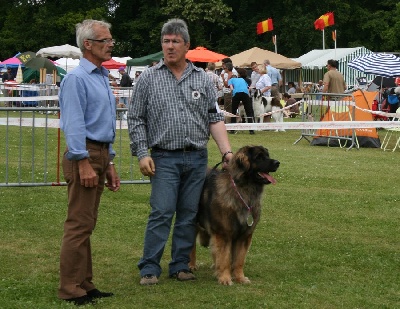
column 173, row 111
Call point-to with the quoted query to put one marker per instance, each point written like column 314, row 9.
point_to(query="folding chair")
column 340, row 111
column 389, row 133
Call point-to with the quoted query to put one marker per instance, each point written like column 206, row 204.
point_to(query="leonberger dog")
column 230, row 209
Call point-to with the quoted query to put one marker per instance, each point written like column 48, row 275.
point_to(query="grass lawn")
column 328, row 238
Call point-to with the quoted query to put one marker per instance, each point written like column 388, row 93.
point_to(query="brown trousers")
column 83, row 204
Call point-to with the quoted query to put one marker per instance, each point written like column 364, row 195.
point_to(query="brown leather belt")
column 101, row 144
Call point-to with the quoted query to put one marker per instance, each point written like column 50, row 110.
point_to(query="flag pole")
column 334, row 31
column 275, row 43
column 323, row 38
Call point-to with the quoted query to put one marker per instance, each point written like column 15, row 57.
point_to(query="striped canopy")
column 386, row 65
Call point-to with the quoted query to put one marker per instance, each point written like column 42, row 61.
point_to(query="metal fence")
column 33, row 147
column 330, row 107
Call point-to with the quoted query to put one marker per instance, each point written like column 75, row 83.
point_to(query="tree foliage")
column 226, row 26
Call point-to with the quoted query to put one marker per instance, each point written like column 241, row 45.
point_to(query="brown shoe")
column 148, row 280
column 184, row 275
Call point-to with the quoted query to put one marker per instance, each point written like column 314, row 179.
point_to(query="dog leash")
column 249, row 219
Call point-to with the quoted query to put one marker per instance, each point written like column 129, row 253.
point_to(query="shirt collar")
column 190, row 66
column 89, row 67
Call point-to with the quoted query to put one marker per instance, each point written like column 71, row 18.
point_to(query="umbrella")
column 13, row 62
column 258, row 55
column 112, row 64
column 145, row 60
column 26, row 56
column 387, row 82
column 386, row 65
column 30, row 74
column 19, row 77
column 67, row 51
column 202, row 54
column 38, row 63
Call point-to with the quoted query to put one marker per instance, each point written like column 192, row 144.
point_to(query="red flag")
column 324, row 21
column 265, row 26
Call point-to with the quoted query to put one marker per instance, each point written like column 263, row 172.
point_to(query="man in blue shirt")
column 88, row 120
column 276, row 78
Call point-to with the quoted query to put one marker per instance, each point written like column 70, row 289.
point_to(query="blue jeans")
column 175, row 190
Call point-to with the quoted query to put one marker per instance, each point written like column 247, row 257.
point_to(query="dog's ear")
column 242, row 160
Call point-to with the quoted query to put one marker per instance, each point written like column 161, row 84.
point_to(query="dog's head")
column 253, row 164
column 257, row 94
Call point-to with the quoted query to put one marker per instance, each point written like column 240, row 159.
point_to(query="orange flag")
column 265, row 26
column 324, row 21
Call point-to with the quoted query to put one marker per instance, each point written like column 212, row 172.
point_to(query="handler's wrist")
column 225, row 154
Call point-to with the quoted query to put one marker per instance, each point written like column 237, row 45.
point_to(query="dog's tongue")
column 269, row 177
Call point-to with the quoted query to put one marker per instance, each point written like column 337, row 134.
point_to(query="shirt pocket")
column 197, row 96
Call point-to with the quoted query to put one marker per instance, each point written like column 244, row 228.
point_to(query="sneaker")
column 252, row 132
column 183, row 275
column 148, row 280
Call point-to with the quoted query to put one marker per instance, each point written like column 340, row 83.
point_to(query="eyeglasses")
column 105, row 41
column 174, row 42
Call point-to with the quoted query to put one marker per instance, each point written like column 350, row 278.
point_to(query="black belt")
column 185, row 149
column 101, row 144
column 275, row 84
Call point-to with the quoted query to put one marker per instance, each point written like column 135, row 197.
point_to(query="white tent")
column 66, row 50
column 67, row 63
column 313, row 64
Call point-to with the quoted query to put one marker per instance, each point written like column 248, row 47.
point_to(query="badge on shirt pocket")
column 195, row 94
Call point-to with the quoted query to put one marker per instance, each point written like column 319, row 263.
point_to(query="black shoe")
column 81, row 301
column 97, row 294
column 252, row 132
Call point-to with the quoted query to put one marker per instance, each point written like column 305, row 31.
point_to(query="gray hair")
column 266, row 62
column 176, row 26
column 85, row 30
column 211, row 66
column 229, row 66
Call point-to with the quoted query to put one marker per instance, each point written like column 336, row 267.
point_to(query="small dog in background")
column 230, row 208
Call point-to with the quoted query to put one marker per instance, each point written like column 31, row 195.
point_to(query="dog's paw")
column 243, row 280
column 193, row 267
column 225, row 281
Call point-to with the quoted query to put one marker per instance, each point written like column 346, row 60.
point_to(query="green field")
column 328, row 238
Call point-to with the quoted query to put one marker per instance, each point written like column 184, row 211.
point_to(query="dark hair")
column 226, row 60
column 286, row 95
column 291, row 83
column 333, row 63
column 242, row 72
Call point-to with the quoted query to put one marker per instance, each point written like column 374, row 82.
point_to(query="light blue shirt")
column 87, row 109
column 239, row 85
column 274, row 74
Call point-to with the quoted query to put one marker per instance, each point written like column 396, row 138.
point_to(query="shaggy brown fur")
column 223, row 215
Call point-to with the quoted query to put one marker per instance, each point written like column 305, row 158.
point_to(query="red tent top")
column 112, row 64
column 202, row 54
